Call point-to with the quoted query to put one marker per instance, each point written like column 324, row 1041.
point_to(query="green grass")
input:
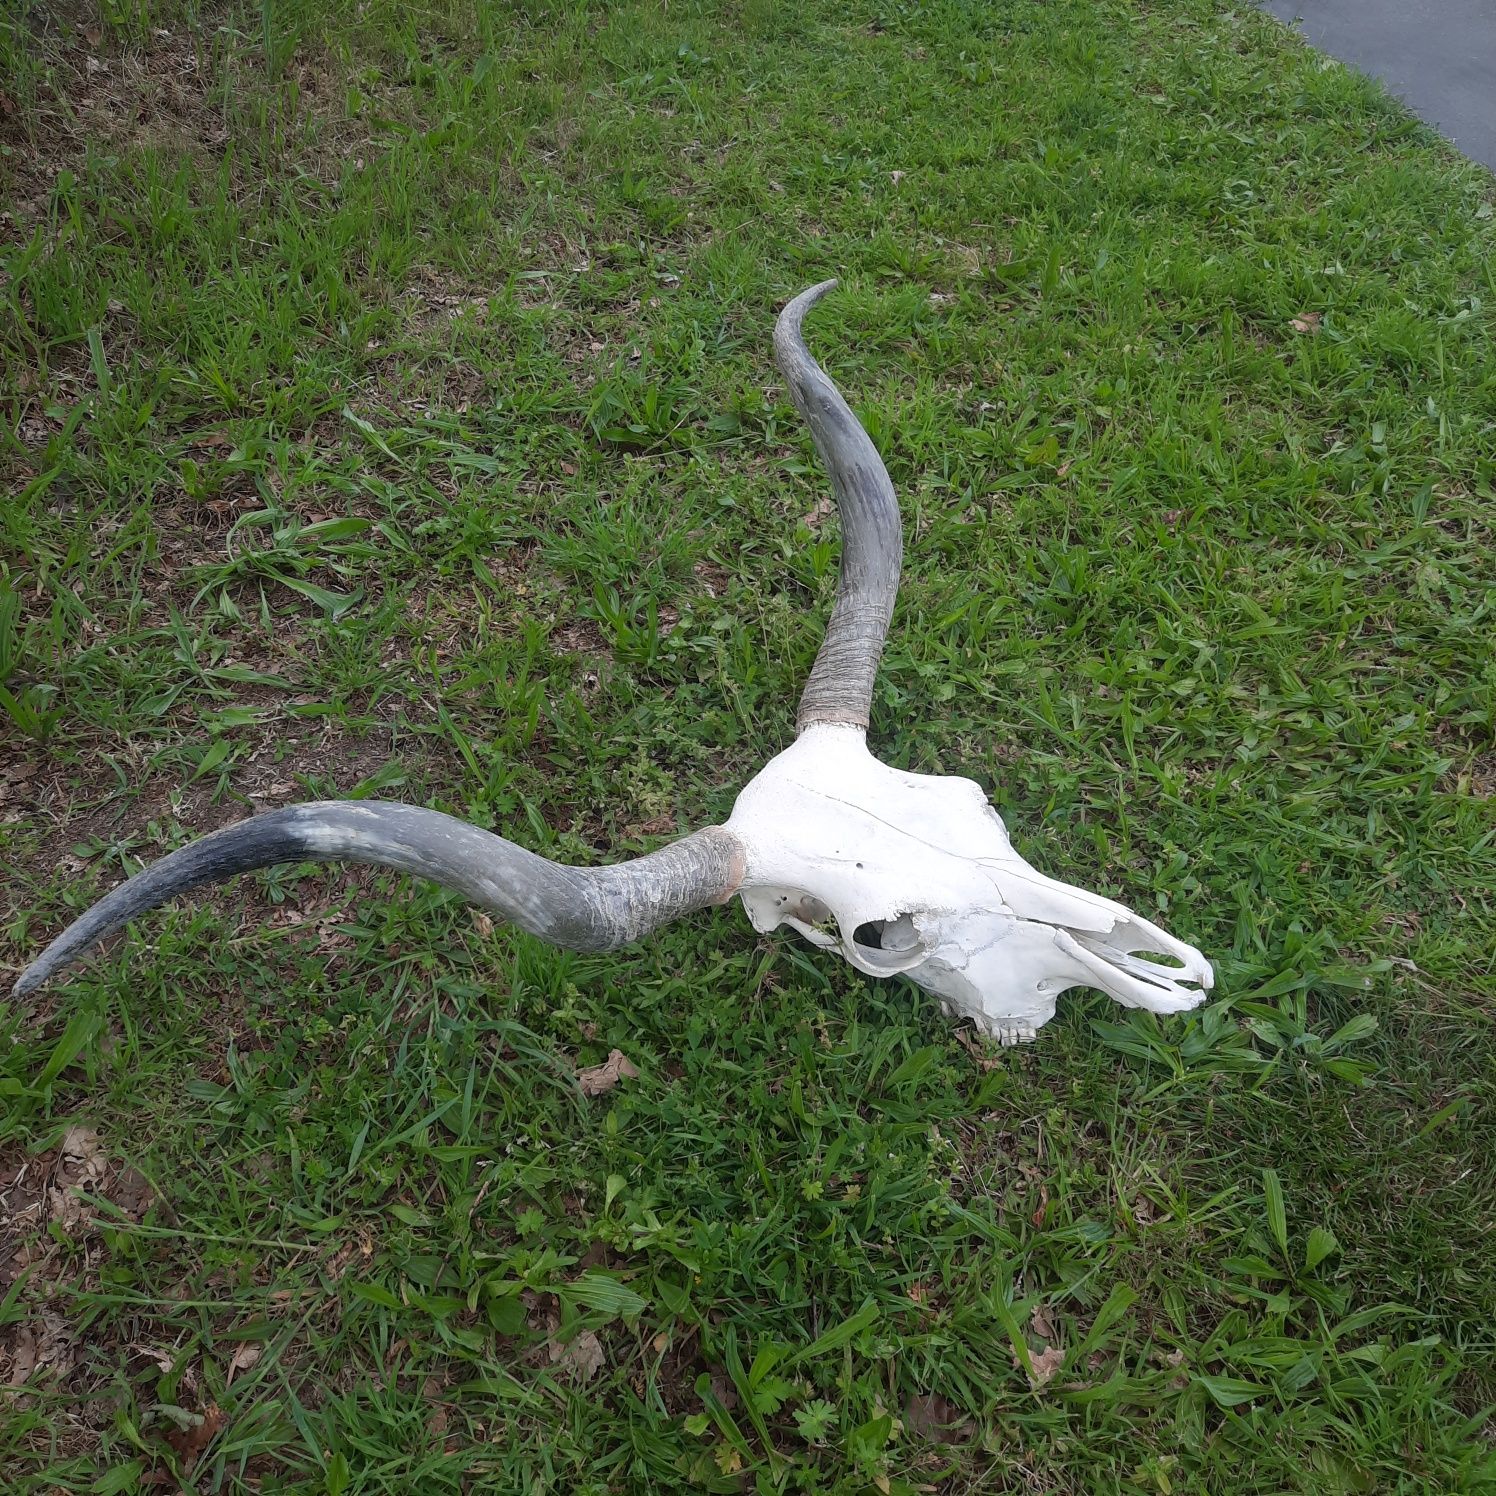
column 389, row 410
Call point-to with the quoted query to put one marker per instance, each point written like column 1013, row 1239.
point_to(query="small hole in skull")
column 870, row 935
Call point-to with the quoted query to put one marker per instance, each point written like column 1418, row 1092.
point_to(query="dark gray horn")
column 585, row 909
column 580, row 908
column 840, row 688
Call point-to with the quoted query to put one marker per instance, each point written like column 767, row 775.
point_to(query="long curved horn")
column 840, row 688
column 586, row 909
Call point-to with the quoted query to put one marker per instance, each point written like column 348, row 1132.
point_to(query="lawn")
column 389, row 412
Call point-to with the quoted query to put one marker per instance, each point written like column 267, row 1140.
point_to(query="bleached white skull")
column 902, row 873
column 914, row 874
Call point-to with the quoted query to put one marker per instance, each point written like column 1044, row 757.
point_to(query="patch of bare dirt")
column 714, row 578
column 1472, row 770
column 96, row 89
column 112, row 818
column 1479, row 779
column 103, row 814
column 50, row 1225
column 434, row 298
column 167, row 92
column 580, row 636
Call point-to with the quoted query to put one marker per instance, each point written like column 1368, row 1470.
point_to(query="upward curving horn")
column 840, row 688
column 581, row 908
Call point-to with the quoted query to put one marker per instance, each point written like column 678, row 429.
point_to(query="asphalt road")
column 1438, row 56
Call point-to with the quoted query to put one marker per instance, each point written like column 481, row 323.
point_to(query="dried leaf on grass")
column 439, row 1415
column 243, row 1358
column 48, row 1341
column 1044, row 1364
column 1041, row 1324
column 597, row 1079
column 190, row 1442
column 660, row 825
column 976, row 1047
column 937, row 1419
column 83, row 1145
column 584, row 1355
column 823, row 509
column 1306, row 322
column 132, row 1192
column 82, row 1165
column 22, row 1356
column 163, row 1358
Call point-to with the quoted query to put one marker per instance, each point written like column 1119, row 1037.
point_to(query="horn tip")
column 797, row 306
column 30, row 979
column 789, row 343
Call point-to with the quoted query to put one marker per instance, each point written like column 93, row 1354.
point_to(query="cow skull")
column 902, row 873
column 914, row 874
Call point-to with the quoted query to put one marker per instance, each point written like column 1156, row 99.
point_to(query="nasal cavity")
column 1157, row 967
column 1158, row 958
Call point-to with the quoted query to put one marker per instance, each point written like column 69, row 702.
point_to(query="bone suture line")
column 921, row 860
